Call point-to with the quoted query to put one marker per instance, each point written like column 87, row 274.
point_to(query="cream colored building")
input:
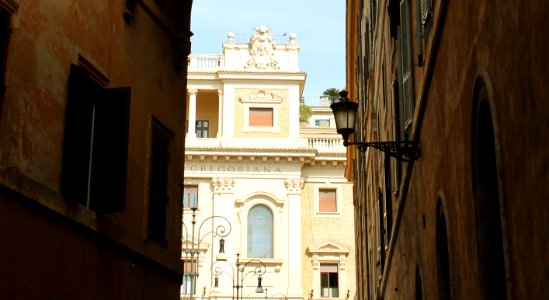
column 280, row 184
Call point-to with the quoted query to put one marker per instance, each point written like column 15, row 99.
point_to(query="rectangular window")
column 329, row 281
column 261, row 117
column 202, row 129
column 158, row 190
column 406, row 64
column 322, row 122
column 327, row 200
column 95, row 149
column 188, row 285
column 4, row 38
column 190, row 196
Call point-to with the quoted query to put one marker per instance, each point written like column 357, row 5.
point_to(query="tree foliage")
column 305, row 112
column 332, row 92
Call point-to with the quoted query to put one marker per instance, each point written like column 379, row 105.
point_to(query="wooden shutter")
column 82, row 91
column 110, row 150
column 426, row 11
column 327, row 201
column 261, row 117
column 158, row 187
column 419, row 35
column 406, row 63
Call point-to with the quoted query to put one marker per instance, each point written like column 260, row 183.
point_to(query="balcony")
column 324, row 144
column 206, row 62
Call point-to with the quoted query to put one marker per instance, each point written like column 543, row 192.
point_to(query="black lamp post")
column 192, row 252
column 238, row 282
column 345, row 116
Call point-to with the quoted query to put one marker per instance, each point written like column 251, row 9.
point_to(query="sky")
column 318, row 24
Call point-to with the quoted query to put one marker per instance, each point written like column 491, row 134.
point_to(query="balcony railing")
column 321, row 144
column 326, row 144
column 205, row 62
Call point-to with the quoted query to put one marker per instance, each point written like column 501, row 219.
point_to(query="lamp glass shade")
column 193, row 201
column 221, row 255
column 216, row 285
column 259, row 289
column 345, row 114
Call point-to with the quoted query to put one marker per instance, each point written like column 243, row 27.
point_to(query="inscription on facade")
column 234, row 169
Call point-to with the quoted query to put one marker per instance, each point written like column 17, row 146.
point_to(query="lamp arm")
column 218, row 269
column 405, row 150
column 219, row 230
column 259, row 270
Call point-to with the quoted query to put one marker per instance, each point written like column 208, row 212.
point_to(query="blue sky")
column 318, row 24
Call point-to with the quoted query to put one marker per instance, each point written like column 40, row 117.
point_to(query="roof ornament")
column 261, row 48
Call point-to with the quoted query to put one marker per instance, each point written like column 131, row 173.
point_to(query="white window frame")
column 253, row 101
column 329, row 252
column 339, row 197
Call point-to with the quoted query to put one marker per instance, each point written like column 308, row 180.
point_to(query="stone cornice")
column 245, row 72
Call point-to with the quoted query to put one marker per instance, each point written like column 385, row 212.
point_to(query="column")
column 294, row 185
column 223, row 205
column 191, row 127
column 220, row 115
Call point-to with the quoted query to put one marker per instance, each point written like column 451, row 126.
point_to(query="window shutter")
column 261, row 117
column 328, row 268
column 82, row 91
column 110, row 150
column 426, row 11
column 406, row 63
column 327, row 201
column 419, row 34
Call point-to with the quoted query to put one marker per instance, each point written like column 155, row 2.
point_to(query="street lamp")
column 345, row 116
column 258, row 269
column 192, row 253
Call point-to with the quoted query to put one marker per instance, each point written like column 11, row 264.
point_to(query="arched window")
column 443, row 256
column 260, row 232
column 490, row 234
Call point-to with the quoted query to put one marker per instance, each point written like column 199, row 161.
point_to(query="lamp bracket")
column 405, row 151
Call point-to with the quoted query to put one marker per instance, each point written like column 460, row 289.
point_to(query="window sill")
column 328, row 214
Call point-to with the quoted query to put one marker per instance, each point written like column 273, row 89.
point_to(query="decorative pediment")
column 328, row 247
column 261, row 96
column 187, row 244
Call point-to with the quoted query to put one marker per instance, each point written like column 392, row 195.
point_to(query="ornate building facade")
column 90, row 108
column 278, row 183
column 464, row 79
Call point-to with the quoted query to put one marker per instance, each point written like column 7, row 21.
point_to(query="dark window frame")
column 202, row 129
column 95, row 149
column 330, row 281
column 160, row 169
